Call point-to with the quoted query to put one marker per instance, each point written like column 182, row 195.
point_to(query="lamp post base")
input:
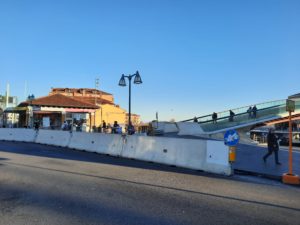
column 290, row 178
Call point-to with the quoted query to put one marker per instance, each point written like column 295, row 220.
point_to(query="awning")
column 46, row 112
column 15, row 109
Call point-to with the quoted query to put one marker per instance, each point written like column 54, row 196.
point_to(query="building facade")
column 135, row 119
column 52, row 111
column 108, row 111
column 8, row 119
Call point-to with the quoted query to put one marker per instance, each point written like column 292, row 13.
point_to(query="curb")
column 264, row 175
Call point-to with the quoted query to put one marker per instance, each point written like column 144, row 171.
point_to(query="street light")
column 122, row 83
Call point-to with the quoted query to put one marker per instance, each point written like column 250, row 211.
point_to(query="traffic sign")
column 290, row 105
column 231, row 138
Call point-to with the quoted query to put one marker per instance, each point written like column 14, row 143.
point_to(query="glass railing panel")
column 243, row 119
column 243, row 110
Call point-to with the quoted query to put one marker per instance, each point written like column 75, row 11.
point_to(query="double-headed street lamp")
column 122, row 82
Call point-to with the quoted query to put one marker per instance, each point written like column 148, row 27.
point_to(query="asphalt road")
column 48, row 185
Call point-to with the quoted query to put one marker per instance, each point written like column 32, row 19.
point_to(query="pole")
column 290, row 145
column 7, row 95
column 129, row 115
column 289, row 177
column 96, row 88
column 100, row 105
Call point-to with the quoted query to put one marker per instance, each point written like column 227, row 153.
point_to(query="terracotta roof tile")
column 79, row 89
column 91, row 100
column 61, row 101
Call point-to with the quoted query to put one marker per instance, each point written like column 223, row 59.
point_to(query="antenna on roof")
column 96, row 83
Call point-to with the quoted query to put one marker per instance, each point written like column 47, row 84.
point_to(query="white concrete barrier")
column 53, row 137
column 152, row 149
column 187, row 153
column 158, row 125
column 170, row 128
column 166, row 127
column 207, row 155
column 217, row 158
column 111, row 144
column 189, row 128
column 17, row 134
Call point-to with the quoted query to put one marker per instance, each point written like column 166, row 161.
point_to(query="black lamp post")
column 122, row 82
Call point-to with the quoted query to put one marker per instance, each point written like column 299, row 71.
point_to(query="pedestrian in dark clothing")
column 131, row 129
column 195, row 120
column 37, row 125
column 115, row 128
column 214, row 117
column 272, row 146
column 104, row 126
column 231, row 115
column 249, row 111
column 254, row 110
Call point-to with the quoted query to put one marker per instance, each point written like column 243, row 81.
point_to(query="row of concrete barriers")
column 206, row 155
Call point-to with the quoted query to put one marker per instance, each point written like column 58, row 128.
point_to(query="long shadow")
column 85, row 211
column 3, row 158
column 39, row 150
column 47, row 151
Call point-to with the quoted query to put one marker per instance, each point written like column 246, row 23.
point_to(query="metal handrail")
column 239, row 114
column 244, row 108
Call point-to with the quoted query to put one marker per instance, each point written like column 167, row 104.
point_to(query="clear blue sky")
column 194, row 57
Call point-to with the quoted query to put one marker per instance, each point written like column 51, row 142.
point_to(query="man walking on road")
column 272, row 146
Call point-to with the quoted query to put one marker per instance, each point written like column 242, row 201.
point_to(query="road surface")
column 48, row 185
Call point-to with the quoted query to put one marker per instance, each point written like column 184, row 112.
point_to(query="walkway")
column 249, row 159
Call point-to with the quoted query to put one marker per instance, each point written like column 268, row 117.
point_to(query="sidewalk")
column 249, row 159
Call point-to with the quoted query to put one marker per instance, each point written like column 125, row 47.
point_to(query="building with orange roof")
column 51, row 112
column 85, row 106
column 108, row 111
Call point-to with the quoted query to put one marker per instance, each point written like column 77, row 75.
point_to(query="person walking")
column 104, row 126
column 231, row 115
column 272, row 146
column 195, row 120
column 214, row 117
column 37, row 125
column 249, row 111
column 64, row 126
column 254, row 110
column 115, row 128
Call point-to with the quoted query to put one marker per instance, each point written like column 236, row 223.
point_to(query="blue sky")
column 194, row 57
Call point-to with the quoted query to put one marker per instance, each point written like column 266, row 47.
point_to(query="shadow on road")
column 3, row 158
column 33, row 149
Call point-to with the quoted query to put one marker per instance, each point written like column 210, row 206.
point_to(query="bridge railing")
column 239, row 110
column 242, row 118
column 264, row 111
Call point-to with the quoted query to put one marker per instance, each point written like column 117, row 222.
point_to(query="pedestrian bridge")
column 265, row 112
column 242, row 120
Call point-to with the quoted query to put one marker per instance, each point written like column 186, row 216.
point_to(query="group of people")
column 214, row 116
column 105, row 128
column 252, row 112
column 116, row 128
